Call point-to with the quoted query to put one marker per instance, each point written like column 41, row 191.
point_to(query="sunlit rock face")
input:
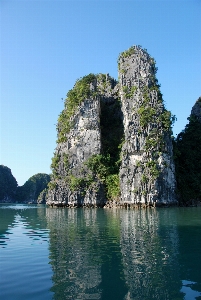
column 74, row 184
column 105, row 117
column 82, row 141
column 147, row 173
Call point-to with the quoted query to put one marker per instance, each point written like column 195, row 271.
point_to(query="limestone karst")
column 187, row 152
column 8, row 185
column 90, row 129
column 147, row 168
column 114, row 139
column 32, row 191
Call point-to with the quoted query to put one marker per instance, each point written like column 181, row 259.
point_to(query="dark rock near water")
column 187, row 153
column 33, row 191
column 8, row 185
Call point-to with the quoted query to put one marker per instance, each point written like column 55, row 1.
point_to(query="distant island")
column 115, row 146
column 33, row 191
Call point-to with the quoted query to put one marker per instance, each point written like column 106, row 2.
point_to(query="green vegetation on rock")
column 91, row 135
column 75, row 96
column 32, row 188
column 8, row 185
column 187, row 154
column 127, row 53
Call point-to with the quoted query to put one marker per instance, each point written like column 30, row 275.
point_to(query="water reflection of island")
column 114, row 254
column 84, row 254
column 150, row 254
column 30, row 219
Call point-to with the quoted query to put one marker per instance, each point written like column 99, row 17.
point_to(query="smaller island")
column 33, row 191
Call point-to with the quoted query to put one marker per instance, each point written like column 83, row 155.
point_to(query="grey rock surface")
column 147, row 171
column 82, row 142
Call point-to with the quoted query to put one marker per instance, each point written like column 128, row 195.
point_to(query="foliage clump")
column 103, row 169
column 75, row 96
column 128, row 52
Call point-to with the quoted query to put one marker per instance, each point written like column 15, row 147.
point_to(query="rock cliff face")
column 196, row 110
column 187, row 154
column 76, row 181
column 90, row 165
column 147, row 169
column 8, row 185
column 82, row 141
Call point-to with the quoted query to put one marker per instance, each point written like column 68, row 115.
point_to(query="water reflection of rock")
column 85, row 254
column 29, row 218
column 6, row 220
column 189, row 229
column 115, row 254
column 75, row 265
column 150, row 254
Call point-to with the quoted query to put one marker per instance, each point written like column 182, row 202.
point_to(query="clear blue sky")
column 47, row 45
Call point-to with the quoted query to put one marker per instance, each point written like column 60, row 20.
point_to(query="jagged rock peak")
column 196, row 109
column 147, row 173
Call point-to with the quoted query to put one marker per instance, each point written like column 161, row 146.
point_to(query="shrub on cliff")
column 75, row 96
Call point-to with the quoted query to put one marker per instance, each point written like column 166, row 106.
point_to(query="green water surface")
column 61, row 254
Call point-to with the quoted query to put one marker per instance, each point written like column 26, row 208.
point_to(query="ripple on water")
column 98, row 254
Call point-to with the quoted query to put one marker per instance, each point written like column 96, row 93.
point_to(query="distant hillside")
column 32, row 188
column 8, row 185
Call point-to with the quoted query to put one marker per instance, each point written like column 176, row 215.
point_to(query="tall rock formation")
column 187, row 152
column 89, row 164
column 8, row 185
column 78, row 162
column 147, row 169
column 196, row 110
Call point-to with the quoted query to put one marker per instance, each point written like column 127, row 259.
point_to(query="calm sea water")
column 60, row 254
